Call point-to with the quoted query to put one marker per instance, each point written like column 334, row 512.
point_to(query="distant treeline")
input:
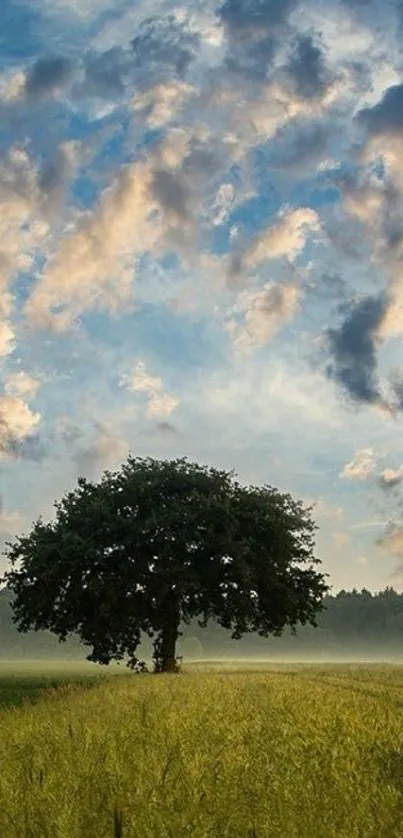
column 351, row 620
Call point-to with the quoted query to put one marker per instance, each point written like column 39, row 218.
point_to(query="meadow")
column 231, row 751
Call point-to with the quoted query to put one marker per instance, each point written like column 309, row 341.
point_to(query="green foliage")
column 159, row 543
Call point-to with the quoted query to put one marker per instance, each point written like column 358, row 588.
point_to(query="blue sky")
column 201, row 235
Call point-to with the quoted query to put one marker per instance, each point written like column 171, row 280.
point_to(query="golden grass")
column 311, row 752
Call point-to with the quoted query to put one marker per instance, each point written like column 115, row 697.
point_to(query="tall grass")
column 306, row 753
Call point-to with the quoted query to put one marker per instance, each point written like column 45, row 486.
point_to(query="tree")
column 159, row 543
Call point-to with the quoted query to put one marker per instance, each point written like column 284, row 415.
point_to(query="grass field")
column 26, row 681
column 290, row 751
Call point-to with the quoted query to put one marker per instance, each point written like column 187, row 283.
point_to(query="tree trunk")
column 169, row 637
column 165, row 643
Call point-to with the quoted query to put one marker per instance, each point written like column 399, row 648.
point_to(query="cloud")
column 396, row 384
column 306, row 68
column 166, row 428
column 22, row 384
column 17, row 425
column 12, row 86
column 353, row 350
column 171, row 193
column 95, row 263
column 30, row 200
column 255, row 116
column 7, row 339
column 266, row 311
column 390, row 478
column 160, row 403
column 104, row 73
column 47, row 76
column 253, row 31
column 159, row 105
column 299, row 145
column 21, row 229
column 210, row 120
column 323, row 284
column 223, row 202
column 285, row 238
column 361, row 466
column 386, row 117
column 54, row 176
column 365, row 200
column 151, row 207
column 164, row 48
column 377, row 204
column 382, row 127
column 246, row 16
column 187, row 169
column 364, row 525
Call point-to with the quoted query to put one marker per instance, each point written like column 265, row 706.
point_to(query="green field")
column 292, row 751
column 26, row 681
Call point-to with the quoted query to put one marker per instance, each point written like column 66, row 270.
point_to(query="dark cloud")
column 387, row 115
column 353, row 350
column 171, row 193
column 52, row 175
column 307, row 68
column 166, row 428
column 31, row 448
column 53, row 179
column 253, row 30
column 355, row 3
column 163, row 48
column 46, row 75
column 203, row 161
column 299, row 145
column 246, row 15
column 193, row 184
column 104, row 73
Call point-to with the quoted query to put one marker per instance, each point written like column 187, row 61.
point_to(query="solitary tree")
column 158, row 543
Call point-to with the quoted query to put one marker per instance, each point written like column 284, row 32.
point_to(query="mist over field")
column 353, row 627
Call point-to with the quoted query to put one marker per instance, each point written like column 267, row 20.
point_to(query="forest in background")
column 352, row 623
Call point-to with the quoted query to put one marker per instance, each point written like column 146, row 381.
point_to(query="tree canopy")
column 158, row 543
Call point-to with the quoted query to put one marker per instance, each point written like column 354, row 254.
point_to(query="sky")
column 201, row 240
